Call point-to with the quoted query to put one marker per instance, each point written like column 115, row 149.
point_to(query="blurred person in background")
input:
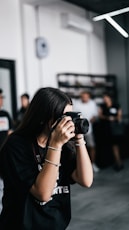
column 110, row 114
column 6, row 128
column 38, row 163
column 87, row 106
column 24, row 105
column 6, row 122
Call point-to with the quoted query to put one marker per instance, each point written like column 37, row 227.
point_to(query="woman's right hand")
column 63, row 132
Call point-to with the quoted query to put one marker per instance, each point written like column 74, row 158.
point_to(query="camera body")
column 81, row 124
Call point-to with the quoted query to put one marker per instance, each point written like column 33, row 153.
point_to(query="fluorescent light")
column 113, row 13
column 108, row 16
column 116, row 26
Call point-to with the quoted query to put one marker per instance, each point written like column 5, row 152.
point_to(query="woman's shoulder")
column 15, row 139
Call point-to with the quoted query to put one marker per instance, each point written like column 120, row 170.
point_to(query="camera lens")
column 81, row 126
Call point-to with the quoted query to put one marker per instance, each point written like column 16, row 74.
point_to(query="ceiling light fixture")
column 111, row 14
column 116, row 26
column 108, row 16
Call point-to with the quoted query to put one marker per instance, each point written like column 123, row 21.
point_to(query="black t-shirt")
column 5, row 125
column 112, row 128
column 20, row 169
column 110, row 111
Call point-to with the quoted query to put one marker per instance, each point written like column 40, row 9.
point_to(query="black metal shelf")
column 92, row 82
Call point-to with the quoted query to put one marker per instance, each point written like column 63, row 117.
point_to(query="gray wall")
column 118, row 59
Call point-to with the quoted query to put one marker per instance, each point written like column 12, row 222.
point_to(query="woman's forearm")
column 84, row 172
column 46, row 179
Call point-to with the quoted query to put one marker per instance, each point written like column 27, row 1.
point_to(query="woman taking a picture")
column 38, row 163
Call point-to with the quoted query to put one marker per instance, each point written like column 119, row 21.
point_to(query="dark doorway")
column 8, row 84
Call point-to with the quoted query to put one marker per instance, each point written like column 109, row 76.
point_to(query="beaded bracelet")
column 50, row 162
column 55, row 149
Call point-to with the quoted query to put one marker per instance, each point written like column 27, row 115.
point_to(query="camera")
column 81, row 124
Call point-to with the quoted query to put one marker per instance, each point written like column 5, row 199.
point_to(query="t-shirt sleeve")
column 21, row 162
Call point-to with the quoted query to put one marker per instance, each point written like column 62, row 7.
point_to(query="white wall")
column 31, row 63
column 97, row 50
column 68, row 51
column 10, row 37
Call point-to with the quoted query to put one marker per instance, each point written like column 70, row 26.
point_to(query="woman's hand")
column 63, row 132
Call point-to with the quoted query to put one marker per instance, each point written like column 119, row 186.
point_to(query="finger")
column 65, row 120
column 68, row 135
column 56, row 122
column 71, row 135
column 69, row 124
column 68, row 129
column 71, row 129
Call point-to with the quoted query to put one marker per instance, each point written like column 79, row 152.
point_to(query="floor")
column 104, row 206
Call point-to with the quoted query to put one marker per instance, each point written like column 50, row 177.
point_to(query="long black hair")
column 46, row 106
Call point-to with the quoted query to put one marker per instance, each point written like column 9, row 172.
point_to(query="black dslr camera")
column 81, row 124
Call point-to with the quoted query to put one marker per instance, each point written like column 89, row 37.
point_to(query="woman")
column 38, row 164
column 111, row 114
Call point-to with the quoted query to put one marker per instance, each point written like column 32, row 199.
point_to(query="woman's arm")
column 45, row 182
column 43, row 187
column 83, row 174
column 119, row 114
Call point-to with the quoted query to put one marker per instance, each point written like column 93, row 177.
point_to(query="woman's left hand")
column 64, row 131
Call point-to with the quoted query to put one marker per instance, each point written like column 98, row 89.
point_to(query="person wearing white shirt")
column 87, row 106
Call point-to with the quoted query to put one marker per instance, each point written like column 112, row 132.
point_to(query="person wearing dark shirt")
column 39, row 162
column 24, row 105
column 111, row 114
